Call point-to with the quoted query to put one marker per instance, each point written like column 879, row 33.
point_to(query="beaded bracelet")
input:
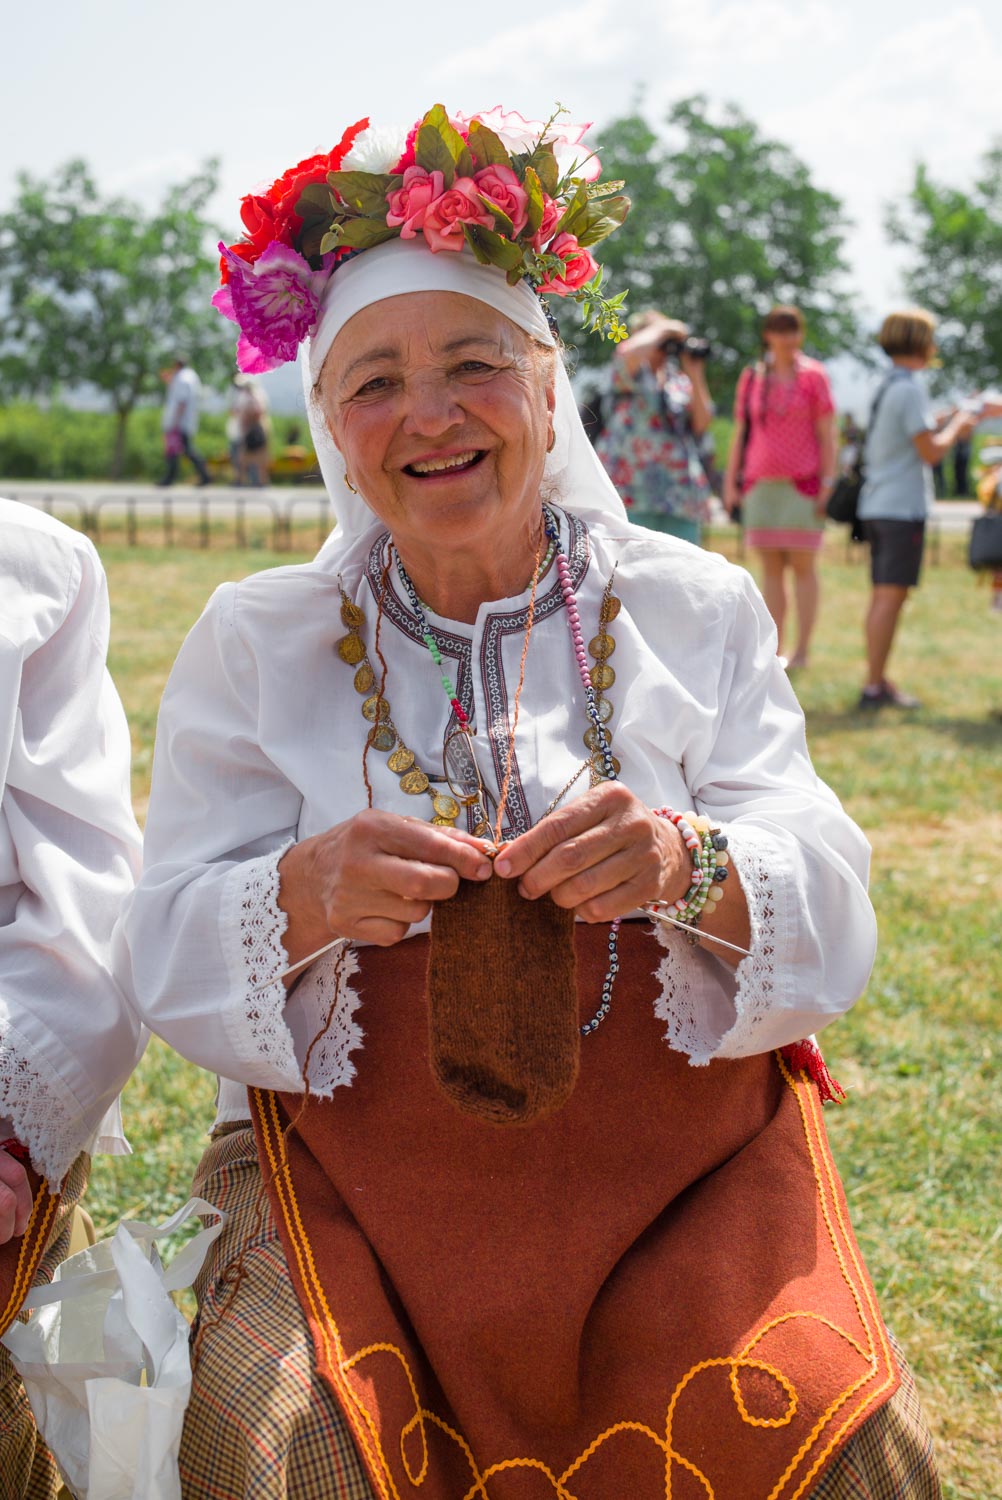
column 708, row 848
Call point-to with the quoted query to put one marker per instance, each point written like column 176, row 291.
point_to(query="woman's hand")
column 602, row 855
column 370, row 878
column 15, row 1198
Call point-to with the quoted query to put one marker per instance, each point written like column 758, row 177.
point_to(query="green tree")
column 98, row 292
column 955, row 238
column 724, row 223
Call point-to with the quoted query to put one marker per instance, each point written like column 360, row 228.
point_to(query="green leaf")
column 487, row 148
column 575, row 215
column 330, row 241
column 314, row 199
column 362, row 234
column 311, row 239
column 364, row 192
column 433, row 154
column 501, row 219
column 440, row 147
column 498, row 250
column 534, row 189
column 610, row 215
column 605, row 189
column 544, row 163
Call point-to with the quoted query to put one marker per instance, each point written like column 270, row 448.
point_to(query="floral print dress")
column 648, row 448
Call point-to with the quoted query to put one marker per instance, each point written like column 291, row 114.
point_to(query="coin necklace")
column 384, row 735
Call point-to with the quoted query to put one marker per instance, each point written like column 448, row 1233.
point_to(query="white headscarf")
column 572, row 474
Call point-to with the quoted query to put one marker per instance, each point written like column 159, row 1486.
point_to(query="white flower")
column 376, row 149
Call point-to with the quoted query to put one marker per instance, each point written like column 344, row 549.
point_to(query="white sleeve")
column 69, row 855
column 200, row 944
column 802, row 862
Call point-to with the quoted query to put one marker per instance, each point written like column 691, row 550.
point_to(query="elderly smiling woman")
column 487, row 867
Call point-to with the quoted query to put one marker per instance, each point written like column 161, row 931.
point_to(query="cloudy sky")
column 144, row 90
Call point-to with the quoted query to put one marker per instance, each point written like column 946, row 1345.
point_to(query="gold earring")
column 350, row 485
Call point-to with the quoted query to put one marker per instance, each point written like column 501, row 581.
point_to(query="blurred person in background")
column 252, row 431
column 902, row 447
column 180, row 421
column 659, row 408
column 782, row 467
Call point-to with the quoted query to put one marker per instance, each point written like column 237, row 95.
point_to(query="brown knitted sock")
column 503, row 1002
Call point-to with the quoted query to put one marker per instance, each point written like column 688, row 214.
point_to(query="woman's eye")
column 374, row 387
column 475, row 367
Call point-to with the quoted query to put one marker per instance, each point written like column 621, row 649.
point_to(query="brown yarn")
column 502, row 1002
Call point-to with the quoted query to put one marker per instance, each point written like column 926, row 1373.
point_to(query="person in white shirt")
column 69, row 855
column 179, row 421
column 335, row 743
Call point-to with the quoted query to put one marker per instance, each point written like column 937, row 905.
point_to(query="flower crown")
column 512, row 191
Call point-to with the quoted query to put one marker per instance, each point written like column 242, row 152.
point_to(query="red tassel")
column 805, row 1057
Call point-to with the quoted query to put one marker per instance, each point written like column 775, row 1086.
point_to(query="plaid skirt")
column 27, row 1470
column 261, row 1421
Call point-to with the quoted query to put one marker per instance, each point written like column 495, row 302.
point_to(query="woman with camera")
column 660, row 408
column 782, row 467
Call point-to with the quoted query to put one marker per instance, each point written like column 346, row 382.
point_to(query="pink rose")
column 579, row 266
column 551, row 217
column 502, row 187
column 444, row 218
column 409, row 203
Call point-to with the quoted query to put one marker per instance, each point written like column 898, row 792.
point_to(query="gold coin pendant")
column 352, row 616
column 365, row 679
column 445, row 806
column 602, row 676
column 401, row 760
column 598, row 765
column 604, row 708
column 375, row 709
column 610, row 609
column 382, row 737
column 414, row 782
column 350, row 649
column 601, row 646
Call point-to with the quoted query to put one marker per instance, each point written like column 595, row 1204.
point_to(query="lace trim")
column 329, row 1005
column 253, row 924
column 710, row 1010
column 757, row 984
column 33, row 1099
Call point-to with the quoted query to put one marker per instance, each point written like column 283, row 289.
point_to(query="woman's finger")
column 15, row 1198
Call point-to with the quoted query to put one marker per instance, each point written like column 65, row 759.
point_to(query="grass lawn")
column 919, row 1139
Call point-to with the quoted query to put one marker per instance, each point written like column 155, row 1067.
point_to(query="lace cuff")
column 321, row 1016
column 711, row 1009
column 251, row 928
column 42, row 1112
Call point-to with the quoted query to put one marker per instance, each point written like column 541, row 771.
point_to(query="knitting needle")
column 702, row 934
column 659, row 916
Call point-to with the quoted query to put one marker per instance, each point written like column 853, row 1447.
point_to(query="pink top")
column 783, row 441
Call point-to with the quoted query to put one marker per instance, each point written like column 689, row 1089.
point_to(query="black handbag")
column 985, row 549
column 843, row 502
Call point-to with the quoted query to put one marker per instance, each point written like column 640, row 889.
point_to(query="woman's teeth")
column 439, row 465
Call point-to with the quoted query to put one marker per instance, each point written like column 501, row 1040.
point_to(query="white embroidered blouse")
column 69, row 848
column 260, row 743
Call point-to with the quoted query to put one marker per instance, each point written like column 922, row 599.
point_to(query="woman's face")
column 783, row 341
column 441, row 409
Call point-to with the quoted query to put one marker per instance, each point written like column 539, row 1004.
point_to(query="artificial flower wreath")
column 517, row 193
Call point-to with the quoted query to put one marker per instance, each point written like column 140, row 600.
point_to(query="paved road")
column 301, row 502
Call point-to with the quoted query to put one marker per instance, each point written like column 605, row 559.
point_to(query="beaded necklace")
column 604, row 766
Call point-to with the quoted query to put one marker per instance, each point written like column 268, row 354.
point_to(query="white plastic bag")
column 104, row 1324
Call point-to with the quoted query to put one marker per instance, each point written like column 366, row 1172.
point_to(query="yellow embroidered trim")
column 365, row 1427
column 33, row 1244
